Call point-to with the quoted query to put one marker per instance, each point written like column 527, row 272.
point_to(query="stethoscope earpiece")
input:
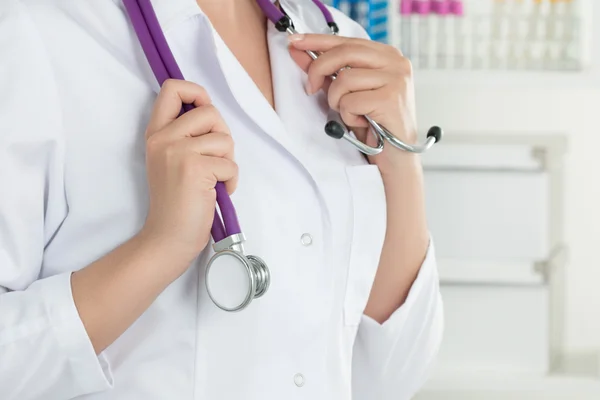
column 335, row 130
column 435, row 132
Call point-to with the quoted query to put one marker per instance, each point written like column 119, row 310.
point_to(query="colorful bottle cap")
column 457, row 7
column 422, row 7
column 441, row 7
column 406, row 7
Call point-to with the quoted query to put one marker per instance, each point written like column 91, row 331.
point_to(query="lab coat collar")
column 170, row 12
column 307, row 18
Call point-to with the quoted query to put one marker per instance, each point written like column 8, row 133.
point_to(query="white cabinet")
column 495, row 329
column 492, row 208
column 489, row 215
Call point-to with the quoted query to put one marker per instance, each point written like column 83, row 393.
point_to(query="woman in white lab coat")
column 106, row 203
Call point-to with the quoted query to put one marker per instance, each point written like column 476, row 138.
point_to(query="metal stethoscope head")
column 230, row 268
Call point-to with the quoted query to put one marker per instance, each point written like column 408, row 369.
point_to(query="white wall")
column 541, row 103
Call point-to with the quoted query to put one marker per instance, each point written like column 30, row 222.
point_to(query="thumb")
column 304, row 61
column 300, row 57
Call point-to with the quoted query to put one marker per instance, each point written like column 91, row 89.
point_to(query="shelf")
column 588, row 79
column 488, row 386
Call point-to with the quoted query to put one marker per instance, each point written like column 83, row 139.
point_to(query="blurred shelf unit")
column 486, row 386
column 522, row 35
column 494, row 205
column 516, row 81
column 373, row 15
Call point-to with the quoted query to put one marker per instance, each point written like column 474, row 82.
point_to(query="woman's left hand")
column 378, row 84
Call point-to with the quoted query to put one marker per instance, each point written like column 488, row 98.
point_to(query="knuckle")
column 235, row 169
column 353, row 47
column 343, row 75
column 228, row 140
column 208, row 111
column 316, row 66
column 343, row 104
column 153, row 144
column 213, row 112
column 171, row 151
column 200, row 90
column 405, row 67
column 205, row 93
column 169, row 85
column 334, row 99
column 395, row 51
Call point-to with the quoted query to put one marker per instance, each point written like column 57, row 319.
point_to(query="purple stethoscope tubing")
column 274, row 14
column 163, row 64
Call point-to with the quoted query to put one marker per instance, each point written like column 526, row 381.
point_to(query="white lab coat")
column 76, row 94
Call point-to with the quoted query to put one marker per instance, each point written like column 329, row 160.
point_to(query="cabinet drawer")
column 495, row 329
column 488, row 215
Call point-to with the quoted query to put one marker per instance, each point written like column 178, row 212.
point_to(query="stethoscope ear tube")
column 338, row 130
column 434, row 135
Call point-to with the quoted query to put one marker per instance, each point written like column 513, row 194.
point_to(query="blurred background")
column 513, row 192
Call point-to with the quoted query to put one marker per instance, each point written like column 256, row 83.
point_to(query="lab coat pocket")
column 368, row 225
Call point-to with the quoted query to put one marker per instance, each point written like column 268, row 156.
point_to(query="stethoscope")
column 232, row 278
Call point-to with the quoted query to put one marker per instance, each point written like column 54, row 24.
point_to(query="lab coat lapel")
column 294, row 107
column 251, row 100
column 241, row 86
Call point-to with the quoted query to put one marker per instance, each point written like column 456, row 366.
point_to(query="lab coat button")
column 306, row 239
column 299, row 380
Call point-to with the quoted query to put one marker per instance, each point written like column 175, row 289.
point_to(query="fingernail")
column 308, row 88
column 296, row 37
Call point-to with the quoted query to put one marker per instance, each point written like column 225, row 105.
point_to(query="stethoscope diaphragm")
column 233, row 280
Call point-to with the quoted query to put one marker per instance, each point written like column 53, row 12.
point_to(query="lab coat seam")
column 60, row 128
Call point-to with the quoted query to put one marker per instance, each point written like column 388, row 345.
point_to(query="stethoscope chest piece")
column 234, row 280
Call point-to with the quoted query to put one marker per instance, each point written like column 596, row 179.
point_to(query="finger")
column 353, row 106
column 197, row 122
column 325, row 42
column 356, row 56
column 173, row 95
column 301, row 58
column 216, row 144
column 222, row 170
column 356, row 80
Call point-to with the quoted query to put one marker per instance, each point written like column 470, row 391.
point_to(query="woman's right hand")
column 186, row 156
